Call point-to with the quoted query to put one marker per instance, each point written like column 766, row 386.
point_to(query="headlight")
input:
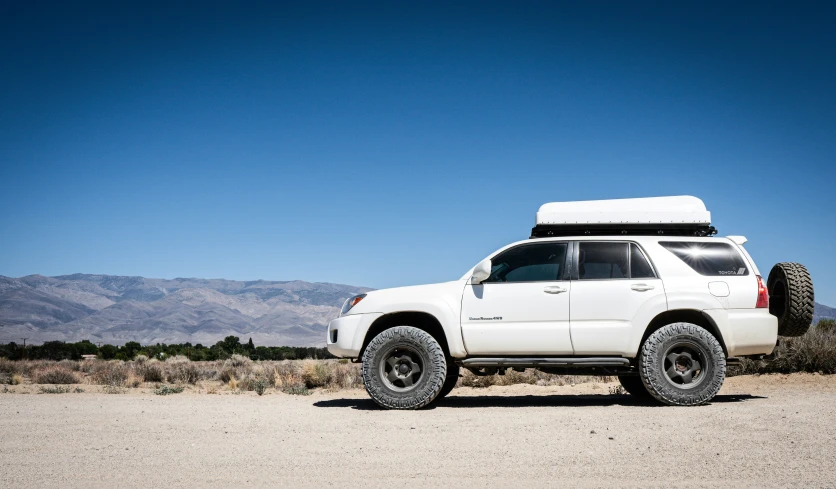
column 351, row 302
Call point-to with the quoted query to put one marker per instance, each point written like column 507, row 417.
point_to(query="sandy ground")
column 775, row 431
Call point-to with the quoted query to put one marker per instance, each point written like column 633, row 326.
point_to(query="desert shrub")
column 56, row 375
column 286, row 373
column 134, row 380
column 260, row 385
column 151, row 371
column 114, row 374
column 10, row 366
column 165, row 390
column 70, row 365
column 345, row 376
column 17, row 379
column 181, row 370
column 296, row 390
column 140, row 359
column 316, row 374
column 237, row 366
column 827, row 326
column 88, row 366
column 57, row 389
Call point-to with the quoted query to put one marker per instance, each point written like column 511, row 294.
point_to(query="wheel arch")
column 692, row 316
column 418, row 319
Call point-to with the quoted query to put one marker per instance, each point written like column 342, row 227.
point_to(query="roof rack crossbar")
column 622, row 229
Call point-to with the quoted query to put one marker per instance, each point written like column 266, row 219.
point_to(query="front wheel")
column 682, row 364
column 404, row 368
column 452, row 379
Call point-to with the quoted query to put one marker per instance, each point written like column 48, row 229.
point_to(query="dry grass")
column 56, row 375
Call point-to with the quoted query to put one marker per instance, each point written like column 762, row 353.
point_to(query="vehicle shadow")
column 561, row 400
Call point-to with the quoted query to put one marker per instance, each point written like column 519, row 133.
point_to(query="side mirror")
column 481, row 272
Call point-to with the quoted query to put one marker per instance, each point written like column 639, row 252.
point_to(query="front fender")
column 441, row 310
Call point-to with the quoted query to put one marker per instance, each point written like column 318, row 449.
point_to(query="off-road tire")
column 433, row 370
column 654, row 374
column 635, row 387
column 791, row 298
column 453, row 371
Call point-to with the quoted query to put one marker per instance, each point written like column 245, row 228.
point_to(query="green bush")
column 165, row 390
column 297, row 390
column 58, row 389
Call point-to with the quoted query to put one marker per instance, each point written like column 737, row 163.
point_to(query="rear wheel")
column 404, row 368
column 791, row 298
column 682, row 364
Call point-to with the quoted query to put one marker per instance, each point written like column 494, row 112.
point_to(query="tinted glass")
column 529, row 263
column 639, row 266
column 603, row 260
column 713, row 259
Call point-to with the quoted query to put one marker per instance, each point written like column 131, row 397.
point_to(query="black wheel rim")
column 685, row 364
column 402, row 368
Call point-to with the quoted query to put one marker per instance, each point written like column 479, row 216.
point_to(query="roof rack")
column 665, row 216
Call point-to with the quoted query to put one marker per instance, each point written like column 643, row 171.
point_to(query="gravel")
column 774, row 431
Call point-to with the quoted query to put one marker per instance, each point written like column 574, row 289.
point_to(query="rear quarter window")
column 711, row 259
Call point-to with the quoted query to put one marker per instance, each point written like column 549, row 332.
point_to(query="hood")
column 384, row 300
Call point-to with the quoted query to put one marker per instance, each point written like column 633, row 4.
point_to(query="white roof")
column 651, row 210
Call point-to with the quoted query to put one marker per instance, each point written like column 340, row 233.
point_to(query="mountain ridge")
column 116, row 309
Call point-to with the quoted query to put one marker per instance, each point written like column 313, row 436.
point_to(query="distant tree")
column 231, row 344
column 131, row 349
column 250, row 346
column 108, row 352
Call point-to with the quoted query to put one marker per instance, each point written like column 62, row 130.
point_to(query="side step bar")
column 545, row 362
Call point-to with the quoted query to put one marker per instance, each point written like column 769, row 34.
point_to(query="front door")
column 523, row 307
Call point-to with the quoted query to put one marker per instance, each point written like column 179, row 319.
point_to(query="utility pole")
column 23, row 352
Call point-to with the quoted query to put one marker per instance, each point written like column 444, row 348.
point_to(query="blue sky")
column 390, row 144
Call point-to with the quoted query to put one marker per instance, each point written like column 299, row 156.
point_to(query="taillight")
column 763, row 294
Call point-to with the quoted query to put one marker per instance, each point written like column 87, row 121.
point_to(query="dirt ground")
column 775, row 431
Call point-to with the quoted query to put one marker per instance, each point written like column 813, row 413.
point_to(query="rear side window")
column 639, row 266
column 600, row 260
column 529, row 263
column 711, row 259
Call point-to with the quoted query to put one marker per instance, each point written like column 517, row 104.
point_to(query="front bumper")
column 346, row 334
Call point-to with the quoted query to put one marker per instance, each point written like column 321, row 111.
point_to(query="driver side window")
column 541, row 262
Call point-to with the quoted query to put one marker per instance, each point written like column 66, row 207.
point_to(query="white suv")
column 636, row 288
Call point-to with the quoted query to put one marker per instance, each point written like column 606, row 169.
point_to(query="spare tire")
column 791, row 298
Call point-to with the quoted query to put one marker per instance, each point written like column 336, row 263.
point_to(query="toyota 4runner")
column 634, row 288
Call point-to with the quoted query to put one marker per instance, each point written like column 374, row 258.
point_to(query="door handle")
column 642, row 287
column 554, row 289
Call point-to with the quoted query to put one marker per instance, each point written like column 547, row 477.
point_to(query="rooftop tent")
column 672, row 216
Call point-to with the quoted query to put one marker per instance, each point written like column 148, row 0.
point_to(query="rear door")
column 614, row 290
column 523, row 307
